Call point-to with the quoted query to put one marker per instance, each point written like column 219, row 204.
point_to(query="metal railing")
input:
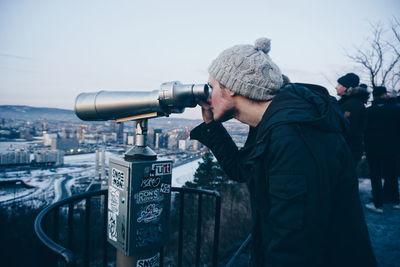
column 52, row 236
column 242, row 249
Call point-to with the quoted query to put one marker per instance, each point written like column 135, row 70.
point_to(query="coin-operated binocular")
column 139, row 189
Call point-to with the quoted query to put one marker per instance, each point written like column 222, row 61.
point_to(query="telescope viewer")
column 172, row 97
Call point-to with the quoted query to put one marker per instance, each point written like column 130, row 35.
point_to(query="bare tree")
column 380, row 56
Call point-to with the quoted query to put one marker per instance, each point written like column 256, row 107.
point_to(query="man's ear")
column 229, row 91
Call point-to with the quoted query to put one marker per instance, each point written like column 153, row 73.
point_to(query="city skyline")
column 50, row 51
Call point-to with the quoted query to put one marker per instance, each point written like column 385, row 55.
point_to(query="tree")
column 209, row 174
column 380, row 57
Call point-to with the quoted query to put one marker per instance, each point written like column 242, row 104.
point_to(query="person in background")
column 382, row 145
column 301, row 177
column 352, row 102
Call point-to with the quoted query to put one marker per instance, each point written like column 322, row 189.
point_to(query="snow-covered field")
column 56, row 183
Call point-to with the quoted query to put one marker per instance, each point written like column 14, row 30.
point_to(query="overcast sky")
column 50, row 51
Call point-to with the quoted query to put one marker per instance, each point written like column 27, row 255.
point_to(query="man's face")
column 340, row 89
column 222, row 104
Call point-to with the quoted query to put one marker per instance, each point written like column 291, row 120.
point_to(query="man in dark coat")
column 352, row 102
column 303, row 188
column 382, row 145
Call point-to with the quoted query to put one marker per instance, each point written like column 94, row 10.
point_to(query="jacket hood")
column 356, row 92
column 305, row 104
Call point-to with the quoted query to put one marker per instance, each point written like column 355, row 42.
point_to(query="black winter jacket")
column 382, row 135
column 353, row 108
column 303, row 187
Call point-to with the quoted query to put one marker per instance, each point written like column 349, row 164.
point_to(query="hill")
column 56, row 114
column 36, row 113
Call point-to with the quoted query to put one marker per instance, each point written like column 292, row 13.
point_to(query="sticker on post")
column 112, row 226
column 165, row 188
column 146, row 196
column 117, row 178
column 149, row 262
column 162, row 168
column 150, row 213
column 113, row 199
column 151, row 181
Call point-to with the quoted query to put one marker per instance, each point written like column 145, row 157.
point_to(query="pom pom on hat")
column 263, row 44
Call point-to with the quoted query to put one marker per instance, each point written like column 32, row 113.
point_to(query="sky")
column 50, row 51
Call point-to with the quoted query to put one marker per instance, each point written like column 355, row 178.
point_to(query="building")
column 164, row 140
column 156, row 138
column 48, row 137
column 182, row 144
column 110, row 138
column 131, row 139
column 48, row 158
column 65, row 144
column 120, row 133
column 19, row 157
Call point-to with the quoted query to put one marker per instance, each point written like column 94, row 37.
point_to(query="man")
column 382, row 145
column 304, row 192
column 352, row 102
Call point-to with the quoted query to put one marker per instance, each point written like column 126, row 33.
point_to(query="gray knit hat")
column 248, row 70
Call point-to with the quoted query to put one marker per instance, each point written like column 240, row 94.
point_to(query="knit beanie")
column 349, row 80
column 248, row 70
column 378, row 91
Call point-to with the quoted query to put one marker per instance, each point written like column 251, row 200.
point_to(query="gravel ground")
column 384, row 229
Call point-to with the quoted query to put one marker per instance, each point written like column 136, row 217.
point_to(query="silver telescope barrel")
column 172, row 97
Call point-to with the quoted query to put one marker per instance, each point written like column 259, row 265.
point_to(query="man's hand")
column 206, row 112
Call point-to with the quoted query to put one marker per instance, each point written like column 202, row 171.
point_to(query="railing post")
column 56, row 216
column 181, row 221
column 198, row 238
column 86, row 250
column 216, row 230
column 70, row 224
column 104, row 235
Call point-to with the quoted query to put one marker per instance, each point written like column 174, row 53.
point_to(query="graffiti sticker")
column 165, row 188
column 113, row 199
column 150, row 213
column 149, row 262
column 117, row 178
column 112, row 225
column 150, row 182
column 162, row 168
column 146, row 196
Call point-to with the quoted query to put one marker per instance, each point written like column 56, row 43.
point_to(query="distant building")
column 156, row 138
column 19, row 157
column 64, row 144
column 91, row 138
column 164, row 140
column 120, row 132
column 48, row 137
column 182, row 145
column 48, row 158
column 173, row 141
column 131, row 139
column 110, row 138
column 196, row 145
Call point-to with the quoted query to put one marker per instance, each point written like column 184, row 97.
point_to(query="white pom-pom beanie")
column 248, row 70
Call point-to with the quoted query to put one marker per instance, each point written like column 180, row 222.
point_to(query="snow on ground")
column 68, row 185
column 57, row 189
column 89, row 158
column 184, row 173
column 49, row 182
